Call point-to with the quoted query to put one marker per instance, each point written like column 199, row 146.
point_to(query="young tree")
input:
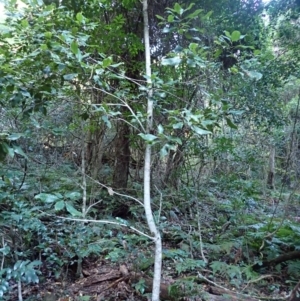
column 147, row 167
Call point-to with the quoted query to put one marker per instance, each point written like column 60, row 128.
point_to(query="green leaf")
column 227, row 33
column 74, row 195
column 196, row 13
column 148, row 137
column 7, row 150
column 170, row 18
column 25, row 23
column 48, row 35
column 18, row 150
column 74, row 47
column 79, row 17
column 189, row 7
column 235, row 36
column 171, row 61
column 164, row 151
column 166, row 29
column 70, row 76
column 191, row 62
column 231, row 124
column 160, row 17
column 199, row 131
column 44, row 47
column 14, row 136
column 59, row 205
column 160, row 129
column 106, row 121
column 236, row 112
column 178, row 9
column 254, row 74
column 177, row 125
column 207, row 16
column 178, row 49
column 72, row 210
column 193, row 47
column 106, row 62
column 47, row 197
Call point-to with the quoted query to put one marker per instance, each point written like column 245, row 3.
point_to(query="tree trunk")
column 94, row 152
column 122, row 156
column 147, row 167
column 271, row 173
column 175, row 160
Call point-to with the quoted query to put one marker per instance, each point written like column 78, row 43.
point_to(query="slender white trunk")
column 147, row 167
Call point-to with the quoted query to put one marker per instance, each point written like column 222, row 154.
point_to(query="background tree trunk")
column 271, row 172
column 122, row 156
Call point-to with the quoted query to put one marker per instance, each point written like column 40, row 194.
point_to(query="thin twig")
column 111, row 191
column 106, row 222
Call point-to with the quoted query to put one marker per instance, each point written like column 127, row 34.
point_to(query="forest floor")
column 107, row 280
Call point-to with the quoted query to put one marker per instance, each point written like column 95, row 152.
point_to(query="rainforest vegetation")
column 149, row 150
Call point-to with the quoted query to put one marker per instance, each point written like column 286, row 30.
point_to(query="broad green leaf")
column 207, row 16
column 164, row 151
column 106, row 121
column 235, row 36
column 177, row 125
column 70, row 76
column 254, row 74
column 234, row 70
column 176, row 140
column 47, row 197
column 200, row 131
column 59, row 195
column 236, row 112
column 79, row 55
column 160, row 129
column 106, row 62
column 231, row 124
column 18, row 150
column 59, row 205
column 193, row 47
column 166, row 29
column 74, row 195
column 116, row 65
column 245, row 47
column 189, row 7
column 170, row 18
column 227, row 33
column 191, row 62
column 148, row 137
column 74, row 47
column 79, row 17
column 7, row 150
column 196, row 13
column 48, row 34
column 178, row 9
column 72, row 210
column 171, row 61
column 161, row 94
column 178, row 49
column 14, row 136
column 160, row 18
column 24, row 23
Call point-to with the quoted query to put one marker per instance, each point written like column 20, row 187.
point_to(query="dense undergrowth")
column 226, row 232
